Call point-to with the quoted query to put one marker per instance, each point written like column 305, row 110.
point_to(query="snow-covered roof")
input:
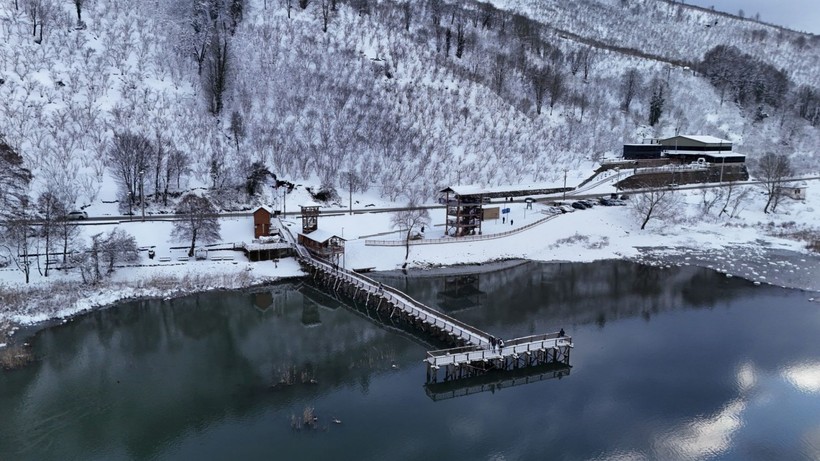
column 795, row 185
column 263, row 207
column 320, row 235
column 309, row 203
column 705, row 139
column 511, row 189
column 465, row 190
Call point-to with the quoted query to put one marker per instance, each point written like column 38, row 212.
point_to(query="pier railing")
column 478, row 355
column 443, row 322
column 467, row 354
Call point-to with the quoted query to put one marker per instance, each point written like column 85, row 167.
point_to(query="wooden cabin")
column 261, row 222
column 323, row 244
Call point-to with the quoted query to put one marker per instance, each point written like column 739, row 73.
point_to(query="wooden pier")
column 473, row 352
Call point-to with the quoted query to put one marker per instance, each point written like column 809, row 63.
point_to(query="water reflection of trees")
column 559, row 293
column 150, row 371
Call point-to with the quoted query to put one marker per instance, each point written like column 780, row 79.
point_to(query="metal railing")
column 527, row 344
column 404, row 302
column 469, row 238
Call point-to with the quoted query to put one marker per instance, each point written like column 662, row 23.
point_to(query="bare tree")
column 119, row 247
column 99, row 259
column 67, row 232
column 772, row 168
column 500, row 67
column 325, row 9
column 129, row 155
column 79, row 5
column 19, row 238
column 33, row 9
column 237, row 13
column 461, row 40
column 556, row 88
column 589, row 59
column 39, row 11
column 14, row 180
column 709, row 198
column 200, row 39
column 215, row 82
column 49, row 211
column 657, row 203
column 200, row 221
column 159, row 160
column 407, row 14
column 409, row 220
column 178, row 164
column 540, row 80
column 630, row 85
column 237, row 127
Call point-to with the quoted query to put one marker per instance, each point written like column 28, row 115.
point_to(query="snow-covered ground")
column 745, row 246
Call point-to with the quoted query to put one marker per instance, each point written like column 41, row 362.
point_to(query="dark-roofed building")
column 685, row 149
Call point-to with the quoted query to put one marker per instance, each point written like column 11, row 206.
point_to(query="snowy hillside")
column 403, row 98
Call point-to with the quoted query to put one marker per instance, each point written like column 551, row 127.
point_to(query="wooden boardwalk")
column 473, row 352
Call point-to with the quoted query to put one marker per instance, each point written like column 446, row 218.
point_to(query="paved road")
column 95, row 220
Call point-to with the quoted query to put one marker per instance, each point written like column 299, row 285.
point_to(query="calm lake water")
column 678, row 363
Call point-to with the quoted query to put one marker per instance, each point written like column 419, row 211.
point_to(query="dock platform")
column 473, row 352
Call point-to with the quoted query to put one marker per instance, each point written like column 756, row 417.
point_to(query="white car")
column 77, row 215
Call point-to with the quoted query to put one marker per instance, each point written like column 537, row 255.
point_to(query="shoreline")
column 18, row 333
column 757, row 263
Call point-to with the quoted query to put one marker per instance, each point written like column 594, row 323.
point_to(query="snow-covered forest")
column 399, row 97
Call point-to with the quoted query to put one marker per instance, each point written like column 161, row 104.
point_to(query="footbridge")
column 473, row 352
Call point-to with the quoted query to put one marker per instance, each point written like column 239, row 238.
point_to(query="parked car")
column 77, row 215
column 579, row 206
column 588, row 203
column 555, row 210
column 566, row 209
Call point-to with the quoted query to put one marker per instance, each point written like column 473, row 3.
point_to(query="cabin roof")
column 320, row 235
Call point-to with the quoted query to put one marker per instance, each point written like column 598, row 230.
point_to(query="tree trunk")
column 193, row 243
column 65, row 244
column 407, row 244
column 48, row 246
column 768, row 203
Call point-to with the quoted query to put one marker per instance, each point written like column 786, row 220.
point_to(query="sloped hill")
column 676, row 31
column 407, row 97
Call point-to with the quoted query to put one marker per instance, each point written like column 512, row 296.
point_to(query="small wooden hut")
column 261, row 222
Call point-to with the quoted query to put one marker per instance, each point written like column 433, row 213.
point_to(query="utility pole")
column 284, row 207
column 350, row 190
column 722, row 162
column 565, row 184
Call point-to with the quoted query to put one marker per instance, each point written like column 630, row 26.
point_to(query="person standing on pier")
column 492, row 343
